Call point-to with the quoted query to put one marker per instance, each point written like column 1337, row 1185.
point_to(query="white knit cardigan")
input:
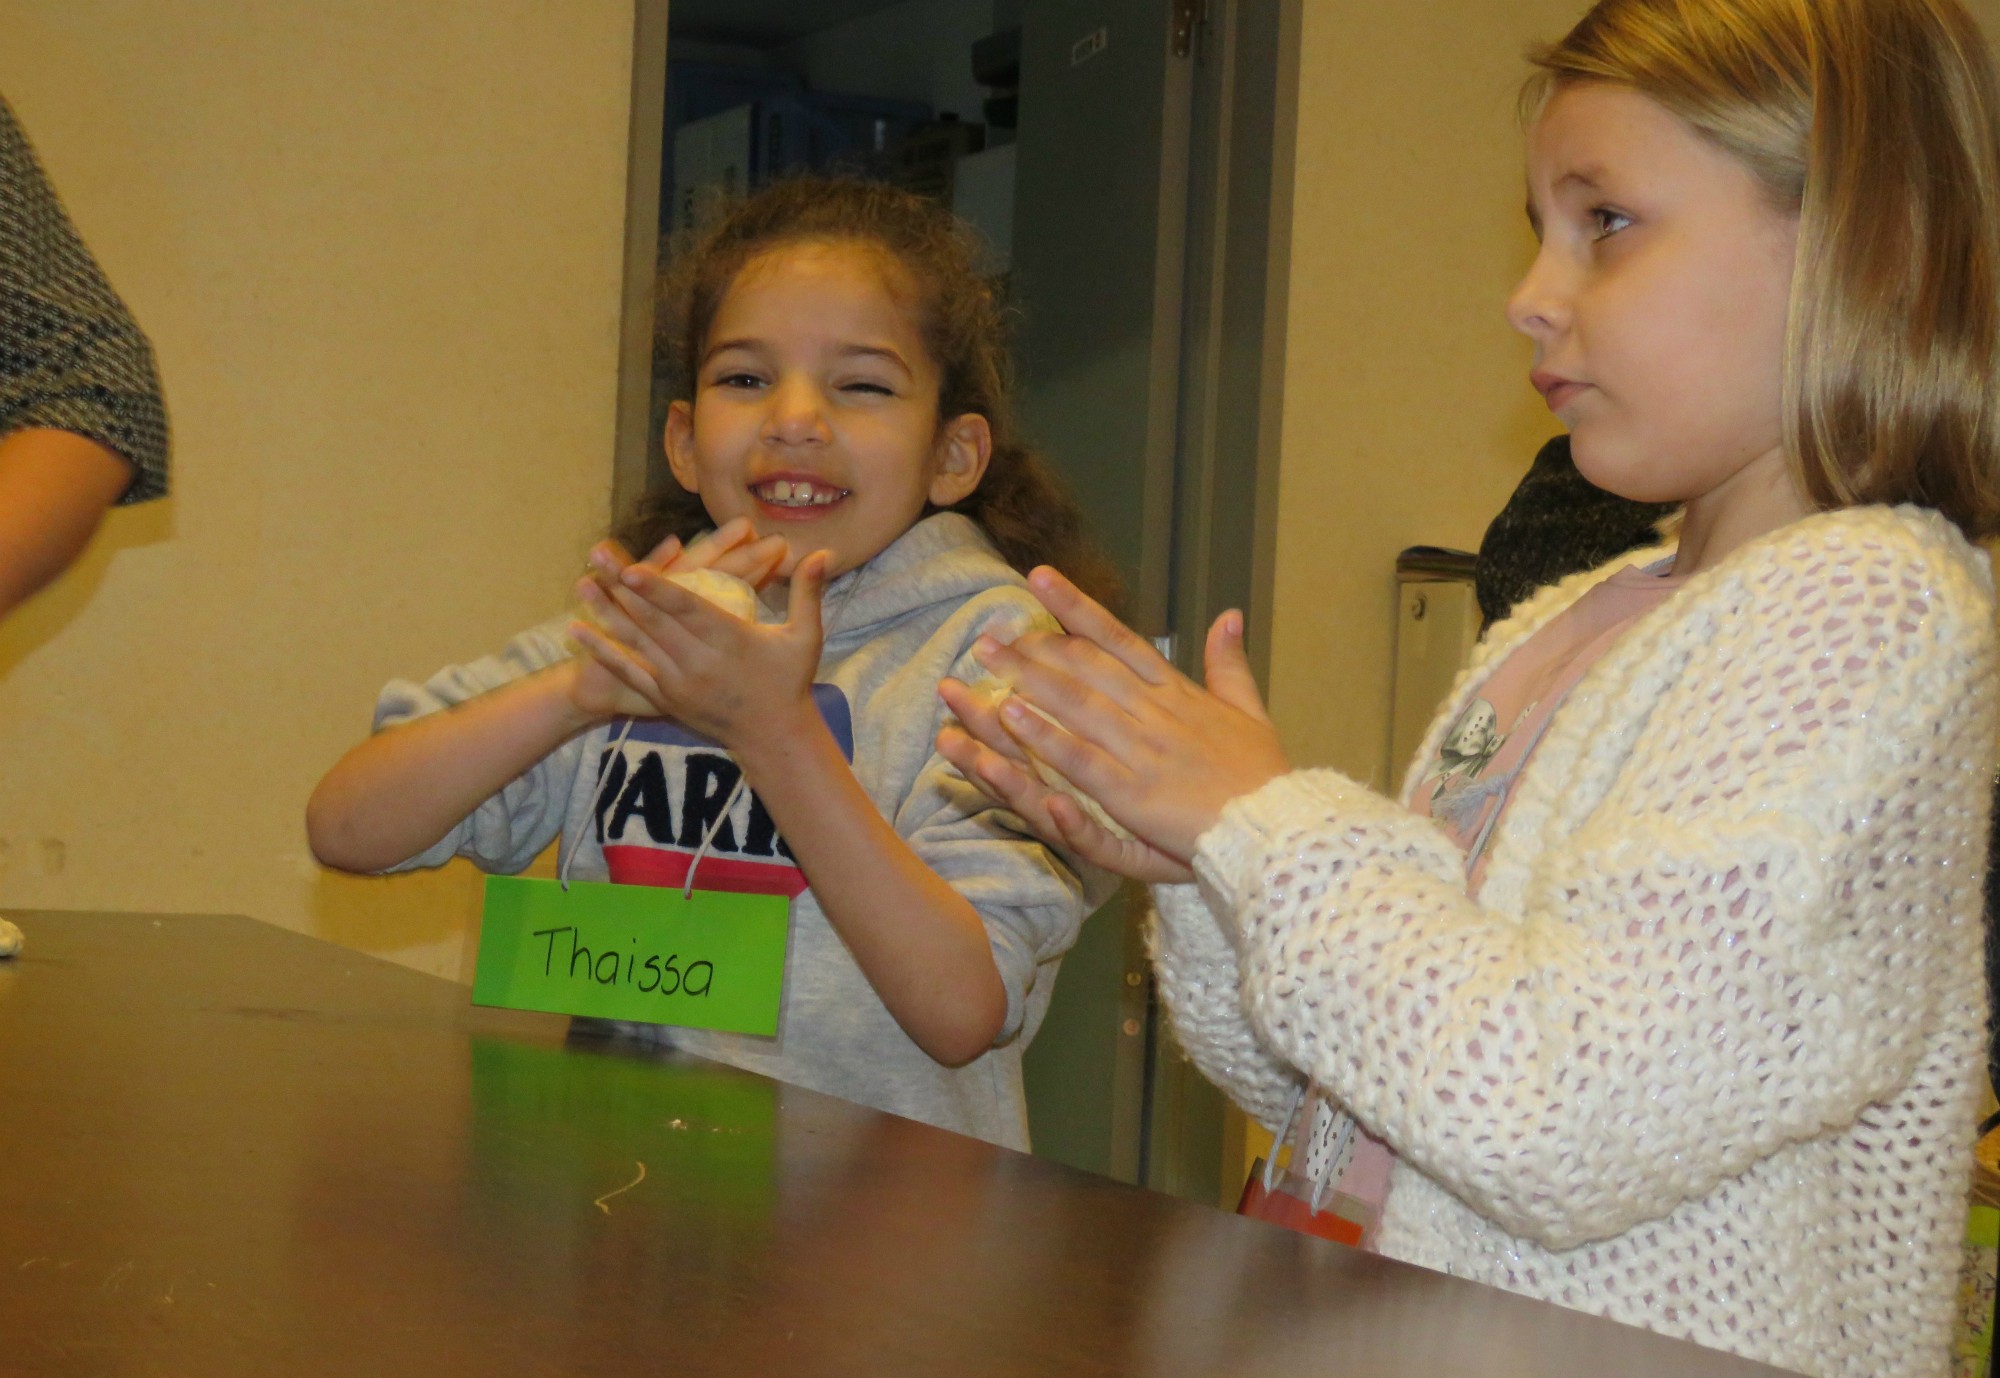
column 1703, row 1053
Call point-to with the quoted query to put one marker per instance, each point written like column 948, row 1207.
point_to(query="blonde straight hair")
column 1875, row 122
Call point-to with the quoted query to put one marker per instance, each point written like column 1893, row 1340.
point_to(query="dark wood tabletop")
column 228, row 1149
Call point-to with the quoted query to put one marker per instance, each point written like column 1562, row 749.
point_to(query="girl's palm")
column 733, row 548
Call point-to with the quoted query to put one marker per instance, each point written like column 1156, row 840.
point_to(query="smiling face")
column 1657, row 301
column 815, row 412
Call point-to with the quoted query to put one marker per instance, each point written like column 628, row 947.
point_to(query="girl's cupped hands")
column 1159, row 752
column 659, row 650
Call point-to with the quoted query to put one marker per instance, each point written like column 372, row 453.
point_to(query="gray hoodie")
column 895, row 627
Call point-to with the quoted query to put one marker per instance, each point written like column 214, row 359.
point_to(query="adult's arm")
column 54, row 489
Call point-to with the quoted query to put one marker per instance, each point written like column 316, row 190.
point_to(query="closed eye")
column 869, row 389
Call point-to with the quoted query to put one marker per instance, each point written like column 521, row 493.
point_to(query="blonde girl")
column 1679, row 1018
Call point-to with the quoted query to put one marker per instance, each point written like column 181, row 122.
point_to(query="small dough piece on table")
column 10, row 939
column 726, row 591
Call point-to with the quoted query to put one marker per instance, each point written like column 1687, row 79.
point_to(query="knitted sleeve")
column 1738, row 945
column 71, row 358
column 1201, row 985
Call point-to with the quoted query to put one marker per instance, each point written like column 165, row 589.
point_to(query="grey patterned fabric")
column 71, row 357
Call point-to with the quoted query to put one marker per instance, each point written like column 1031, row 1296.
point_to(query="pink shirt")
column 1466, row 787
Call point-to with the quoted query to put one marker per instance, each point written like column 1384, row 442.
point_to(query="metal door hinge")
column 1189, row 15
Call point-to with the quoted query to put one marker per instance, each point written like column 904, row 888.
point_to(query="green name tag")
column 711, row 961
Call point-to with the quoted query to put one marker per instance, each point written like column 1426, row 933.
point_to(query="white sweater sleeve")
column 1697, row 975
column 1201, row 985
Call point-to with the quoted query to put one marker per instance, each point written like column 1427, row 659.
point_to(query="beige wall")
column 1407, row 416
column 379, row 249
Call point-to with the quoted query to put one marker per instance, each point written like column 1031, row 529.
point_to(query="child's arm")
column 401, row 790
column 921, row 944
column 1749, row 944
column 1200, row 981
column 1193, row 952
column 404, row 789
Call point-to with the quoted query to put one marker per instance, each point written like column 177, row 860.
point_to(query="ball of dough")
column 726, row 591
column 10, row 939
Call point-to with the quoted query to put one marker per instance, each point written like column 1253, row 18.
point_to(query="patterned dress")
column 71, row 358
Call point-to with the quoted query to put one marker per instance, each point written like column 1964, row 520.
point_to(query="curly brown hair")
column 1020, row 504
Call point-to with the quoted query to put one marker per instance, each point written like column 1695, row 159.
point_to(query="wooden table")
column 227, row 1149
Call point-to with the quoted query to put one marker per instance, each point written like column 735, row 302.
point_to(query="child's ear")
column 680, row 445
column 964, row 448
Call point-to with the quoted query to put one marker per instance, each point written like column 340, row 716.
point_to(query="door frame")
column 634, row 443
column 1242, row 140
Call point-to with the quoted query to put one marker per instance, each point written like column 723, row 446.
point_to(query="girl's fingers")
column 1053, row 816
column 655, row 592
column 1084, row 763
column 1226, row 669
column 627, row 668
column 1008, row 782
column 802, row 611
column 606, row 561
column 755, row 563
column 1074, row 703
column 978, row 714
column 1084, row 662
column 1088, row 619
column 976, row 761
column 717, row 543
column 1081, row 834
column 610, row 618
column 663, row 554
column 658, row 614
column 1085, row 838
